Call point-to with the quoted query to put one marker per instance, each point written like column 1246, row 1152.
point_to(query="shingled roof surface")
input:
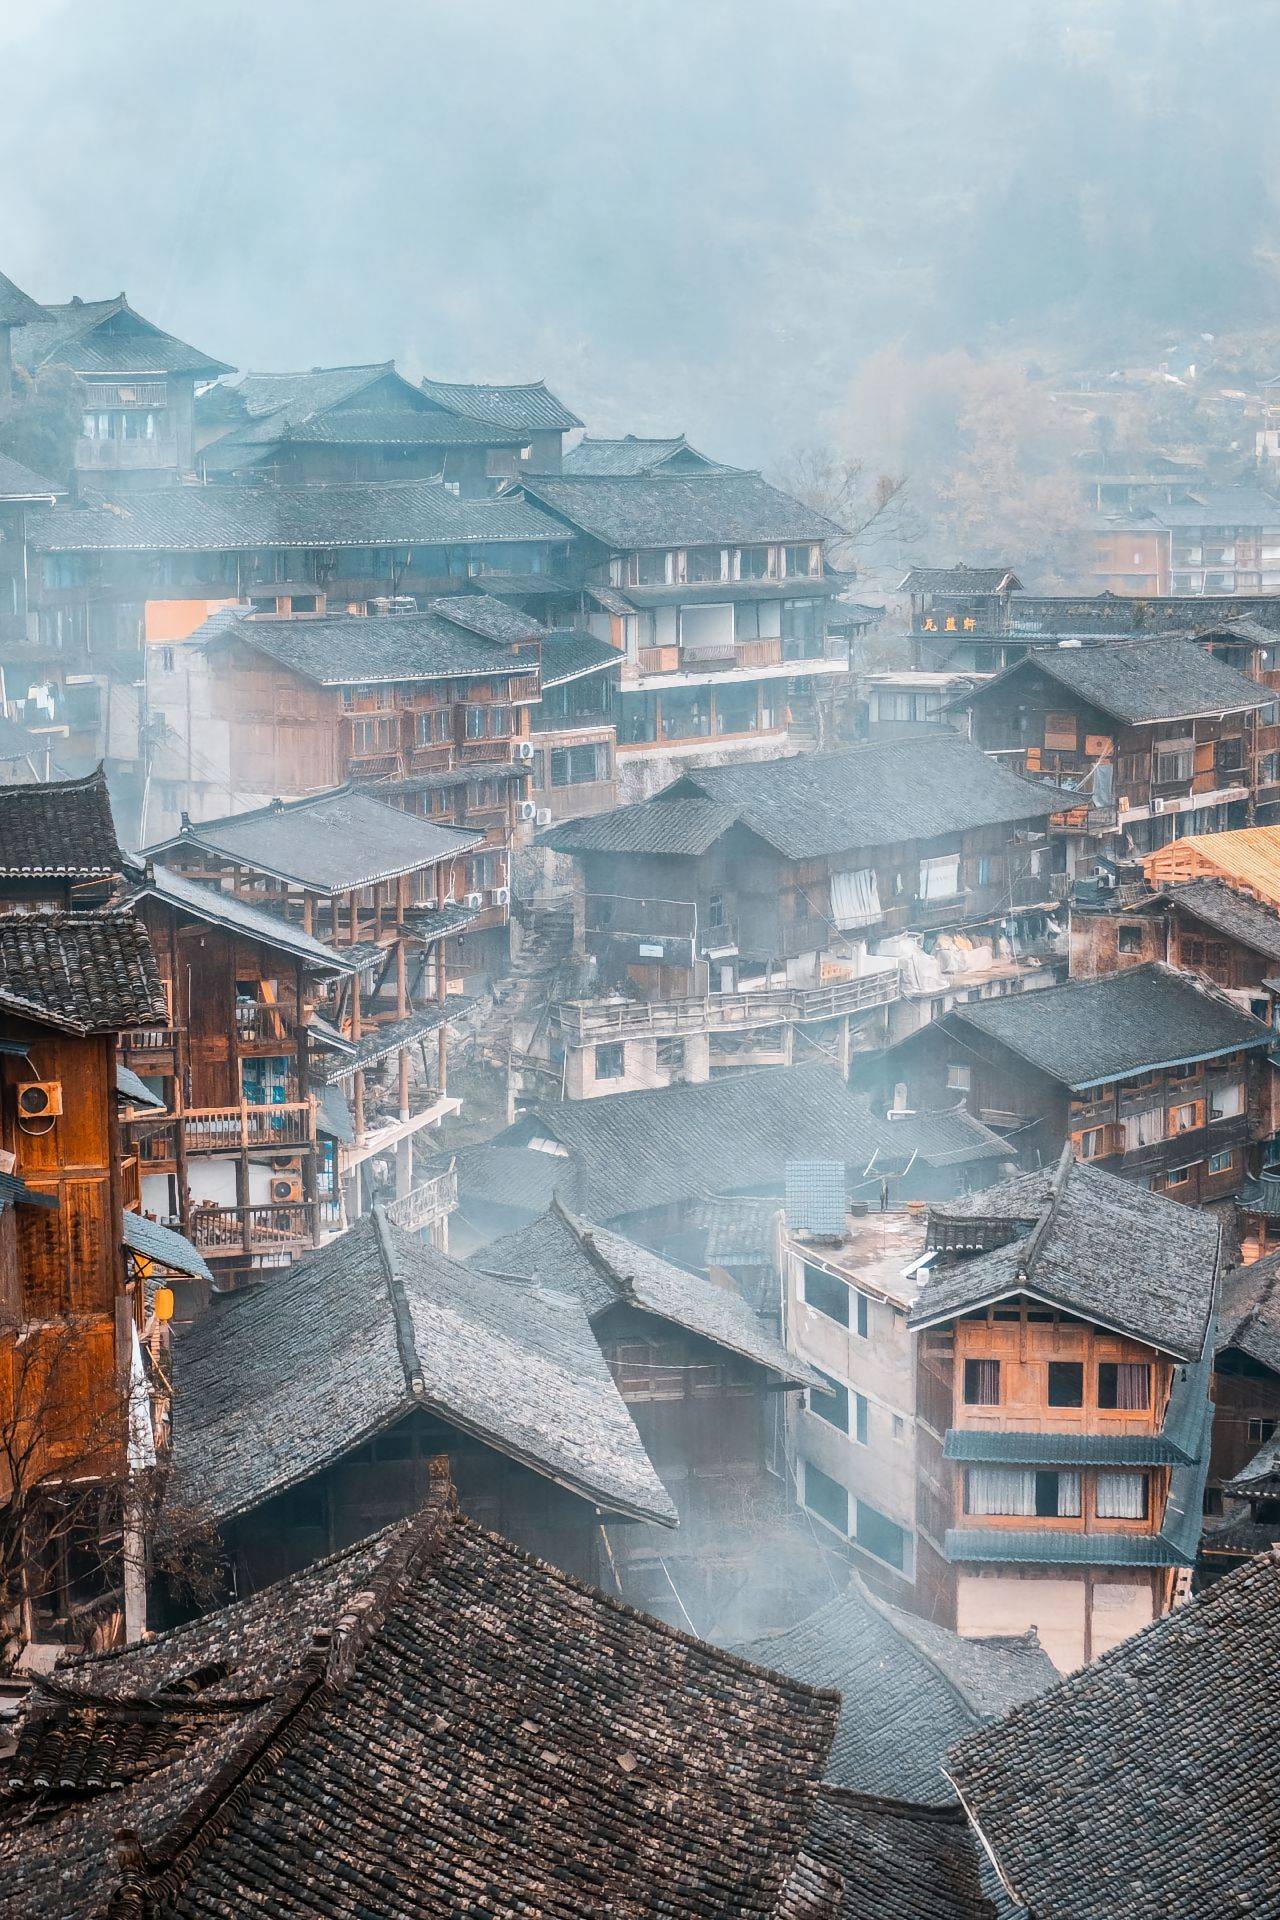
column 17, row 307
column 652, row 1149
column 1090, row 1242
column 874, row 795
column 569, row 653
column 898, row 1861
column 59, row 830
column 686, row 826
column 288, row 1378
column 908, row 1690
column 222, row 909
column 678, row 509
column 345, row 649
column 474, row 1733
column 350, row 514
column 959, row 580
column 1249, row 1318
column 331, row 843
column 1227, row 910
column 518, row 406
column 107, row 336
column 80, row 972
column 1088, row 1032
column 1139, row 681
column 618, row 458
column 1145, row 1786
column 602, row 1269
column 19, row 483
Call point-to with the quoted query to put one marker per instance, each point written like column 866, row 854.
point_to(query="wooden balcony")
column 148, row 1041
column 426, row 1205
column 757, row 653
column 279, row 1129
column 585, row 1023
column 265, row 1229
column 658, row 659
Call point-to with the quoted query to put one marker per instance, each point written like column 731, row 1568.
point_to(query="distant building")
column 1208, row 540
column 1065, row 1344
column 139, row 387
column 1205, row 926
column 1246, row 1416
column 616, row 459
column 528, row 410
column 1152, row 1073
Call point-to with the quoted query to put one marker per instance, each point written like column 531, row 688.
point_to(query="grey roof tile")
column 80, row 972
column 1138, row 681
column 289, row 1377
column 97, row 337
column 676, row 509
column 221, row 909
column 1249, row 1318
column 685, row 826
column 19, row 483
column 898, row 1861
column 346, row 649
column 17, row 307
column 61, row 830
column 164, row 1246
column 629, row 455
column 1128, row 1789
column 1217, row 904
column 960, row 579
column 522, row 406
column 568, row 653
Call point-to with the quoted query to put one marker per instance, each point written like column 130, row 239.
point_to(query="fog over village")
column 639, row 960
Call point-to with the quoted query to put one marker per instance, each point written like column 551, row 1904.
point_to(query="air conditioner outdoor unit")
column 474, row 900
column 285, row 1163
column 527, row 810
column 524, row 750
column 544, row 816
column 501, row 896
column 286, row 1188
column 39, row 1099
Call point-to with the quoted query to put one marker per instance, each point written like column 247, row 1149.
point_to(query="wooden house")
column 58, row 845
column 633, row 454
column 1207, row 927
column 70, row 982
column 1151, row 1073
column 382, row 888
column 574, row 765
column 704, row 1377
column 1246, row 1402
column 1156, row 735
column 714, row 588
column 748, row 901
column 311, row 1410
column 139, row 388
column 527, row 410
column 1065, row 1346
column 961, row 617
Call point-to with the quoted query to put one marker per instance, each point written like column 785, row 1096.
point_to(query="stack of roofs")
column 59, row 834
column 668, row 508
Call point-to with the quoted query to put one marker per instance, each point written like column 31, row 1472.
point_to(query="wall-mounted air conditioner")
column 528, row 811
column 474, row 900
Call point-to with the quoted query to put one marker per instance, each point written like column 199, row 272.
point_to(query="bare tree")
column 848, row 492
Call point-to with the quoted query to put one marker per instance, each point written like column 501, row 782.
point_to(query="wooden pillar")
column 179, row 1019
column 402, row 1009
column 308, row 914
column 359, row 1079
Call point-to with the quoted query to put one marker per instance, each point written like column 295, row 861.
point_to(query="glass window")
column 1121, row 1496
column 1057, row 1496
column 826, row 1294
column 671, row 1055
column 825, row 1497
column 736, row 709
column 831, row 1404
column 860, row 1301
column 861, row 1413
column 1066, row 1383
column 1002, row 1492
column 1223, row 1162
column 801, row 560
column 610, row 1060
column 982, row 1383
column 1124, row 1385
column 959, row 1076
column 753, row 563
column 1129, row 940
column 880, row 1536
column 801, row 625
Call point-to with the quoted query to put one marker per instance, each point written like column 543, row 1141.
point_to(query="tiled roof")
column 650, row 1149
column 520, row 406
column 19, row 483
column 133, row 1091
column 383, row 1041
column 960, row 580
column 343, row 649
column 347, row 514
column 331, row 843
column 80, row 972
column 511, row 1177
column 1089, row 1032
column 1129, row 1789
column 898, row 1861
column 105, row 337
column 684, row 826
column 59, row 830
column 222, row 909
column 1227, row 910
column 1249, row 1318
column 289, row 1378
column 1219, row 507
column 447, row 1726
column 163, row 1245
column 17, row 307
column 1091, row 1243
column 1137, row 681
column 879, row 794
column 740, row 1232
column 316, row 406
column 568, row 653
column 618, row 458
column 908, row 1689
column 677, row 509
column 603, row 1270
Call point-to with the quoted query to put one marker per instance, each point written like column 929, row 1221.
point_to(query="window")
column 374, row 733
column 1021, row 1492
column 1129, row 940
column 488, row 723
column 860, row 1302
column 1143, row 1129
column 1184, row 1119
column 832, row 1403
column 578, row 766
column 1175, row 763
column 800, row 622
column 1093, row 1143
column 610, row 1060
column 1120, row 1496
column 671, row 1055
column 825, row 1497
column 1057, row 1496
column 1177, row 1177
column 801, row 560
column 1260, row 1431
column 483, row 870
column 940, row 878
column 827, row 1294
column 1225, row 1103
column 1124, row 1385
column 959, row 1076
column 879, row 1535
column 861, row 1411
column 1223, row 1162
column 982, row 1383
column 1060, row 732
column 1066, row 1383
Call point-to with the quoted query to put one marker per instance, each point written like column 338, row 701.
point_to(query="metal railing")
column 582, row 1022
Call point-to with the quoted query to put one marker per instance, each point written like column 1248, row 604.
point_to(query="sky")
column 697, row 215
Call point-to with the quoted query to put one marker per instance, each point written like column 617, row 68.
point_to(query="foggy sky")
column 684, row 214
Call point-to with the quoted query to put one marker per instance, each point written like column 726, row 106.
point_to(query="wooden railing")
column 582, row 1022
column 149, row 1040
column 757, row 653
column 256, row 1023
column 224, row 1129
column 262, row 1229
column 426, row 1204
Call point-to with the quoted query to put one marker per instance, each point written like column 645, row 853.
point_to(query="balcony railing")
column 427, row 1204
column 257, row 1024
column 629, row 917
column 264, row 1229
column 584, row 1022
column 223, row 1130
column 125, row 456
column 149, row 1040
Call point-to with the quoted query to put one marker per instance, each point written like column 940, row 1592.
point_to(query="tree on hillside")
column 42, row 420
